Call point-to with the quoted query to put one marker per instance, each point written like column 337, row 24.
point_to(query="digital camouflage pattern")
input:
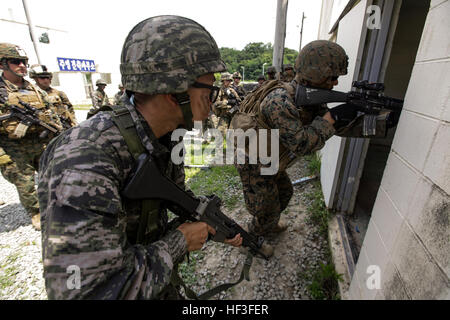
column 117, row 98
column 99, row 99
column 85, row 221
column 152, row 63
column 23, row 181
column 319, row 60
column 301, row 132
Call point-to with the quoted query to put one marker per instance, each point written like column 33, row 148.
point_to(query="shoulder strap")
column 122, row 118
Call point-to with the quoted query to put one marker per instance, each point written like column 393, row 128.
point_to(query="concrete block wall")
column 408, row 235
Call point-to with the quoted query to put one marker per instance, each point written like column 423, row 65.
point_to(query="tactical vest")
column 250, row 117
column 148, row 229
column 32, row 97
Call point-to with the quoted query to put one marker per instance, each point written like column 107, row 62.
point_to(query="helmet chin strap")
column 7, row 68
column 185, row 105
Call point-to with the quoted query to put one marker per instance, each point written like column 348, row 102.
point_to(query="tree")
column 252, row 58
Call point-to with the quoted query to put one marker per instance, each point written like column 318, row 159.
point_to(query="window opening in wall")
column 396, row 68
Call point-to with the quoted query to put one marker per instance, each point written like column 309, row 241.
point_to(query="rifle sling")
column 176, row 280
column 149, row 217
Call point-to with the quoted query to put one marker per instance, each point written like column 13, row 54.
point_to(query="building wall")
column 408, row 235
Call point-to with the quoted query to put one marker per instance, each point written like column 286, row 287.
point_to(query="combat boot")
column 265, row 249
column 36, row 221
column 280, row 227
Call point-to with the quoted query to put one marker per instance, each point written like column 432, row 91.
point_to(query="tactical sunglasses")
column 214, row 90
column 18, row 61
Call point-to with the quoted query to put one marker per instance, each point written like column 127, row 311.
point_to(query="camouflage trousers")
column 223, row 124
column 25, row 154
column 265, row 196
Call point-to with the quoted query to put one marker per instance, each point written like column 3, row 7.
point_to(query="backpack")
column 250, row 116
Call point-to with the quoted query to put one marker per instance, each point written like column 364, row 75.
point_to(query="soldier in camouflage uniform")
column 301, row 132
column 59, row 99
column 237, row 86
column 119, row 95
column 271, row 72
column 23, row 143
column 99, row 98
column 22, row 180
column 120, row 252
column 227, row 100
column 288, row 73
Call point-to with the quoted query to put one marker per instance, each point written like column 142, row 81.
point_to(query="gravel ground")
column 20, row 250
column 297, row 250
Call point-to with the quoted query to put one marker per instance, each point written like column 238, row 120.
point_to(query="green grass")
column 324, row 279
column 318, row 212
column 8, row 276
column 221, row 181
column 314, row 163
column 82, row 106
column 187, row 270
column 324, row 282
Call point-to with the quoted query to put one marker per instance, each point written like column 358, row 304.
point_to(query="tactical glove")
column 343, row 114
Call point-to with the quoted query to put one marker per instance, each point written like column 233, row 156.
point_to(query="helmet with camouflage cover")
column 271, row 69
column 237, row 75
column 287, row 66
column 166, row 54
column 319, row 60
column 225, row 76
column 100, row 82
column 12, row 51
column 38, row 70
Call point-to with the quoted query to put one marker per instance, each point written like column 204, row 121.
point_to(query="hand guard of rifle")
column 206, row 209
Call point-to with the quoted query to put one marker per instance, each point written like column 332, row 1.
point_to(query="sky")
column 99, row 28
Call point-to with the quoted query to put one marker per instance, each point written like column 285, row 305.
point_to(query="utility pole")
column 301, row 33
column 280, row 35
column 32, row 33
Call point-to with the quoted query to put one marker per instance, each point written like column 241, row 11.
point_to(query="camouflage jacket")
column 63, row 106
column 223, row 98
column 117, row 98
column 240, row 90
column 99, row 99
column 87, row 224
column 30, row 94
column 301, row 131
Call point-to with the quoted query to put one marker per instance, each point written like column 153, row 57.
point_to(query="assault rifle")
column 232, row 101
column 368, row 97
column 28, row 116
column 206, row 209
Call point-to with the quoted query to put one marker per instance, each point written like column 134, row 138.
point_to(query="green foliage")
column 318, row 212
column 314, row 163
column 252, row 58
column 221, row 181
column 187, row 269
column 324, row 283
